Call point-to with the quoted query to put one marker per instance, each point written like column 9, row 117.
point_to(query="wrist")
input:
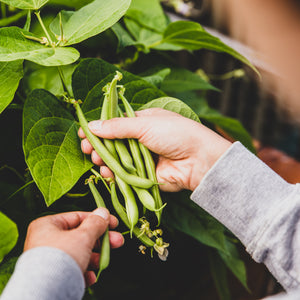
column 206, row 160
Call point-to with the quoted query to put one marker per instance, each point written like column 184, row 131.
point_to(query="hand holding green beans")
column 186, row 149
column 77, row 234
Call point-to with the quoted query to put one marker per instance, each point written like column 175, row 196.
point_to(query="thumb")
column 118, row 128
column 95, row 224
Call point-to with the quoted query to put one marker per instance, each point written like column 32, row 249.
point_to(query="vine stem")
column 3, row 10
column 38, row 15
column 12, row 19
column 63, row 81
column 98, row 175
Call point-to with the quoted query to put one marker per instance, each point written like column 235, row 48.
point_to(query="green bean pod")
column 148, row 160
column 109, row 144
column 108, row 158
column 132, row 210
column 123, row 216
column 113, row 97
column 124, row 156
column 146, row 198
column 136, row 154
column 105, row 244
column 151, row 171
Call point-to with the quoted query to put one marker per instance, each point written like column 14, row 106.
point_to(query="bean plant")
column 64, row 63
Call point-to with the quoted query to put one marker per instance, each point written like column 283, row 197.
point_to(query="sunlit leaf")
column 10, row 75
column 90, row 20
column 26, row 4
column 52, row 146
column 15, row 46
column 8, row 235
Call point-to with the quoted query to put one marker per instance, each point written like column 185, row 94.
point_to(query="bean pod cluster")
column 134, row 189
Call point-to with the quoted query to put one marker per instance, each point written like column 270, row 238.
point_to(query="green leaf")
column 90, row 20
column 219, row 274
column 156, row 77
column 187, row 217
column 26, row 4
column 92, row 71
column 173, row 104
column 143, row 36
column 70, row 3
column 124, row 38
column 192, row 36
column 181, row 80
column 49, row 79
column 6, row 270
column 232, row 260
column 8, row 235
column 51, row 145
column 148, row 13
column 10, row 75
column 232, row 127
column 15, row 46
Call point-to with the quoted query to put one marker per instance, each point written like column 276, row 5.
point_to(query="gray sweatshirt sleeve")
column 45, row 273
column 259, row 207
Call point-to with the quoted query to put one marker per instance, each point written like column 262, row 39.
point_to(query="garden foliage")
column 50, row 49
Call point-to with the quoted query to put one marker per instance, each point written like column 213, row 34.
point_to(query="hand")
column 75, row 233
column 186, row 149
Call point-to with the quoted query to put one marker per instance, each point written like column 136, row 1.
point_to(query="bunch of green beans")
column 134, row 172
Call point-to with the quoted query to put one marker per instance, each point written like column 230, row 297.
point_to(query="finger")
column 155, row 111
column 90, row 278
column 106, row 172
column 95, row 225
column 113, row 222
column 94, row 261
column 97, row 160
column 86, row 146
column 116, row 239
column 118, row 128
column 65, row 221
column 81, row 134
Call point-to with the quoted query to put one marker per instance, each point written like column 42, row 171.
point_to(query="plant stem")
column 155, row 44
column 38, row 15
column 17, row 191
column 63, row 81
column 12, row 170
column 3, row 10
column 12, row 19
column 98, row 175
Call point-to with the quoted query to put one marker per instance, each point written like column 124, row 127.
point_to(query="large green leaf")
column 174, row 105
column 124, row 38
column 148, row 13
column 232, row 127
column 49, row 79
column 15, row 46
column 10, row 75
column 70, row 3
column 233, row 261
column 90, row 20
column 192, row 36
column 181, row 80
column 6, row 270
column 51, row 145
column 26, row 4
column 187, row 217
column 219, row 274
column 8, row 235
column 144, row 37
column 92, row 71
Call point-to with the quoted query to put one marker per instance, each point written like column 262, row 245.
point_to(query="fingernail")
column 102, row 212
column 95, row 126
